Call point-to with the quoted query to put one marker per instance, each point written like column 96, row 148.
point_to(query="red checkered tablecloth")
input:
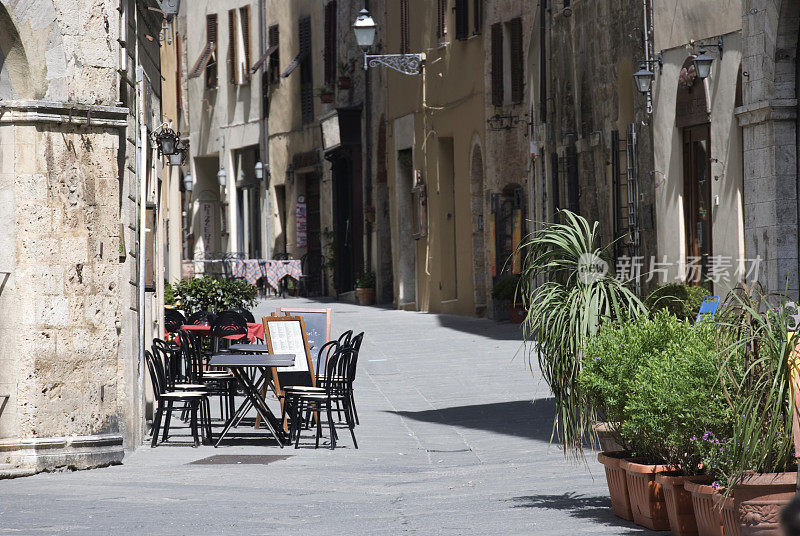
column 251, row 270
column 277, row 270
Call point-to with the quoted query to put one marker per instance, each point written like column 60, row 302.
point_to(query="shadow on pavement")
column 501, row 331
column 589, row 507
column 520, row 418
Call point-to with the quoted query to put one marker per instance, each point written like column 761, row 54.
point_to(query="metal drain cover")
column 236, row 459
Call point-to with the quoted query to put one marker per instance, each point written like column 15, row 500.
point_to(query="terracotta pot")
column 366, row 296
column 758, row 500
column 680, row 509
column 344, row 82
column 706, row 510
column 608, row 440
column 516, row 313
column 730, row 521
column 646, row 495
column 617, row 484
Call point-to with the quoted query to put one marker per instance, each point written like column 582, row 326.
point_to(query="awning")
column 295, row 62
column 257, row 65
column 202, row 61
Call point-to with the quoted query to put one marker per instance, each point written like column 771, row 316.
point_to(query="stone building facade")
column 70, row 371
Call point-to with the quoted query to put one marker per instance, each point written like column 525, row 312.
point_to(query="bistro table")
column 238, row 365
column 253, row 348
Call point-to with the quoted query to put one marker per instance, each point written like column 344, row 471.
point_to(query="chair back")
column 201, row 317
column 173, row 320
column 337, row 373
column 324, row 354
column 229, row 325
column 156, row 370
column 355, row 345
column 170, row 356
column 248, row 316
column 344, row 338
column 707, row 309
column 193, row 363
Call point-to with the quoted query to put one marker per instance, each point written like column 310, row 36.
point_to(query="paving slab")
column 454, row 439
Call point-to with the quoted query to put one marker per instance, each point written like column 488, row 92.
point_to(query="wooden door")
column 697, row 201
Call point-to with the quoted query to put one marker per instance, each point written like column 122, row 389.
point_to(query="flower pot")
column 680, row 508
column 366, row 296
column 608, row 440
column 617, row 484
column 344, row 82
column 516, row 313
column 730, row 519
column 646, row 495
column 326, row 97
column 707, row 511
column 758, row 500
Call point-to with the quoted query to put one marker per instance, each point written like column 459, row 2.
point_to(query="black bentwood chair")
column 196, row 400
column 229, row 325
column 201, row 317
column 217, row 382
column 248, row 316
column 173, row 320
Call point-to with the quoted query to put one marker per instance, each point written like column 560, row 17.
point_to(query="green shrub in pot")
column 680, row 299
column 208, row 293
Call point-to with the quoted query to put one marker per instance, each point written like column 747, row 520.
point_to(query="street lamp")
column 222, row 175
column 644, row 78
column 702, row 64
column 364, row 27
column 188, row 184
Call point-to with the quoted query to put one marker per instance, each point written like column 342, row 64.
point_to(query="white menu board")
column 287, row 338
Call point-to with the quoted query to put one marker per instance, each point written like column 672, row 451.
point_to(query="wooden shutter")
column 497, row 64
column 516, row 60
column 244, row 22
column 232, row 63
column 330, row 42
column 462, row 19
column 211, row 62
column 441, row 25
column 306, row 78
column 274, row 58
column 477, row 16
column 404, row 34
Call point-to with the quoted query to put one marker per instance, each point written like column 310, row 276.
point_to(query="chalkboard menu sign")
column 287, row 335
column 318, row 328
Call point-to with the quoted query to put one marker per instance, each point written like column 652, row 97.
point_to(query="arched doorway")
column 480, row 280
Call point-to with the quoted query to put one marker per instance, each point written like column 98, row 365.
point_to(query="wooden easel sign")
column 318, row 329
column 287, row 335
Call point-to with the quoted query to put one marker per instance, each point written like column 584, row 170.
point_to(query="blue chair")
column 707, row 309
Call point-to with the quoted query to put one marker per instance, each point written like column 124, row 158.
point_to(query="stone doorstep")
column 24, row 457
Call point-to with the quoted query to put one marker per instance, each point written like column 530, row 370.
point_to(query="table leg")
column 251, row 391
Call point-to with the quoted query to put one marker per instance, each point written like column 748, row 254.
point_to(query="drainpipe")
column 368, row 148
column 141, row 178
column 265, row 210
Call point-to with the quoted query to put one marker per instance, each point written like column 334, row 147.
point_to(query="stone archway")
column 769, row 122
column 478, row 249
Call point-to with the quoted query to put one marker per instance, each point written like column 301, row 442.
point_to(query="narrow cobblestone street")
column 450, row 443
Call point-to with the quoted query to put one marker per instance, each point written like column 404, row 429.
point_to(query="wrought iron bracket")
column 403, row 63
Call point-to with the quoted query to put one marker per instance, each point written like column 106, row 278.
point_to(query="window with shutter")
column 232, row 46
column 330, row 42
column 477, row 16
column 462, row 19
column 441, row 23
column 306, row 78
column 274, row 58
column 244, row 32
column 405, row 47
column 211, row 44
column 497, row 64
column 516, row 60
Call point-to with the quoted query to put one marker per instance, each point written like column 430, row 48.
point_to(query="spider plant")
column 758, row 357
column 577, row 293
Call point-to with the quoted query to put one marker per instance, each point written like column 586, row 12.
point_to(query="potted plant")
column 345, row 68
column 325, row 94
column 207, row 293
column 365, row 288
column 506, row 289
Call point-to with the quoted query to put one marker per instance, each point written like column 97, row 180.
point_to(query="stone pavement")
column 453, row 440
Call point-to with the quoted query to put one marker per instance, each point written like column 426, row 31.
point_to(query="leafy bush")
column 505, row 288
column 680, row 299
column 676, row 396
column 366, row 280
column 207, row 293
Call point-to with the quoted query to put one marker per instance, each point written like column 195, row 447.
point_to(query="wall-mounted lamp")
column 644, row 76
column 188, row 184
column 702, row 62
column 259, row 170
column 222, row 176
